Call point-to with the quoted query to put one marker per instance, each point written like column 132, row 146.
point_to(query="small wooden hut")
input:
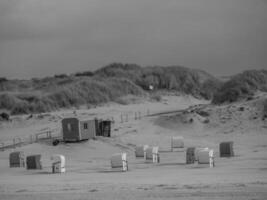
column 75, row 129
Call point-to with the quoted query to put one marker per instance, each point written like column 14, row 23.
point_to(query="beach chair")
column 140, row 151
column 152, row 154
column 177, row 142
column 119, row 160
column 58, row 164
column 17, row 159
column 190, row 155
column 206, row 156
column 197, row 150
column 34, row 162
column 226, row 149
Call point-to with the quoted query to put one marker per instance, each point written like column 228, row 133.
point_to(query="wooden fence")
column 21, row 141
column 54, row 133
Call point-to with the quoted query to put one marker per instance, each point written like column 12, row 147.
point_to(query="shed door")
column 70, row 130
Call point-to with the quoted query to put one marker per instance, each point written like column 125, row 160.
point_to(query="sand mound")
column 241, row 117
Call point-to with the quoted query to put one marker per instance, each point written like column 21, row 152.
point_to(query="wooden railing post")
column 14, row 143
column 31, row 139
column 19, row 142
column 3, row 146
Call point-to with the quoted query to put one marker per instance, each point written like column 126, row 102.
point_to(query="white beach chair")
column 206, row 156
column 140, row 151
column 198, row 149
column 152, row 154
column 58, row 165
column 119, row 160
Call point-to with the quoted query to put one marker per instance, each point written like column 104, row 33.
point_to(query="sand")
column 88, row 173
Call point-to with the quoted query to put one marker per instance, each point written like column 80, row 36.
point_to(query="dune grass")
column 185, row 80
column 116, row 80
column 241, row 86
column 85, row 91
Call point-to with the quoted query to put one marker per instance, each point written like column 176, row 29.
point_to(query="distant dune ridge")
column 117, row 80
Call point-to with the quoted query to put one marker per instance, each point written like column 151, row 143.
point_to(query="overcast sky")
column 44, row 37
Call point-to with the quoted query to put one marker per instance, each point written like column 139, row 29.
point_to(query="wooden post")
column 14, row 143
column 139, row 114
column 121, row 118
column 3, row 146
column 19, row 142
column 31, row 139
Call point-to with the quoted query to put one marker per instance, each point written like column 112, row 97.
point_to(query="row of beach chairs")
column 119, row 160
column 17, row 159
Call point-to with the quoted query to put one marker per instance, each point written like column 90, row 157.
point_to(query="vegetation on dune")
column 241, row 86
column 118, row 80
column 109, row 83
column 84, row 91
column 86, row 73
column 132, row 72
column 185, row 80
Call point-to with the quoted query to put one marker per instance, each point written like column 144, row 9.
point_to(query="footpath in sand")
column 88, row 174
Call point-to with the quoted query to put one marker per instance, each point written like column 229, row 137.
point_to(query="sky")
column 41, row 38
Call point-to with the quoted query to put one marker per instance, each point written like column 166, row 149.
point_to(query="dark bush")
column 4, row 116
column 203, row 113
column 55, row 142
column 3, row 79
column 86, row 73
column 61, row 76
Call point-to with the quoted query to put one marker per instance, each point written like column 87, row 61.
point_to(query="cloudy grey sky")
column 45, row 37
